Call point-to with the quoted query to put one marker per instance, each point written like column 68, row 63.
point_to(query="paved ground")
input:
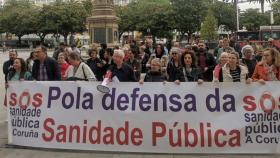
column 7, row 151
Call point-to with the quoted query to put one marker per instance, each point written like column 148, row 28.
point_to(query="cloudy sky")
column 244, row 6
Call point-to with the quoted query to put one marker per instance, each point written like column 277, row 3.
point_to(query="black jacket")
column 7, row 67
column 154, row 77
column 53, row 70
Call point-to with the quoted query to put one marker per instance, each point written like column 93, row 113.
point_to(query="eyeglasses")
column 174, row 53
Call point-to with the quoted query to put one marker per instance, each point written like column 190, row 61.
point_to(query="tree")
column 225, row 14
column 276, row 11
column 68, row 17
column 209, row 27
column 18, row 18
column 188, row 15
column 252, row 19
column 88, row 5
column 147, row 16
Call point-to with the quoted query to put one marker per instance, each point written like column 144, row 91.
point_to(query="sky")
column 244, row 6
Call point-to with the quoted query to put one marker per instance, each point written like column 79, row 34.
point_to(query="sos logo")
column 26, row 99
column 267, row 102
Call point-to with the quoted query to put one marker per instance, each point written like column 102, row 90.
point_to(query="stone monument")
column 102, row 26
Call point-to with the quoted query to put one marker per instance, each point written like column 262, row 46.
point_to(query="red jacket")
column 261, row 72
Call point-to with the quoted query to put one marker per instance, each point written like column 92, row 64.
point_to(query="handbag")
column 73, row 78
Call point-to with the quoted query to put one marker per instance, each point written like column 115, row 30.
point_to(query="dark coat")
column 52, row 67
column 154, row 77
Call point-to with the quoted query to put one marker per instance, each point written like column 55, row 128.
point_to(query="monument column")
column 103, row 27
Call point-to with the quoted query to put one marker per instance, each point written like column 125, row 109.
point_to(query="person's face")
column 188, row 59
column 233, row 60
column 224, row 59
column 130, row 55
column 12, row 56
column 201, row 45
column 259, row 53
column 248, row 54
column 106, row 55
column 159, row 50
column 17, row 64
column 117, row 59
column 39, row 54
column 175, row 55
column 225, row 43
column 93, row 55
column 60, row 59
column 221, row 44
column 155, row 66
column 267, row 57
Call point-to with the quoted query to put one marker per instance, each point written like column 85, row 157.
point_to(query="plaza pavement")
column 7, row 151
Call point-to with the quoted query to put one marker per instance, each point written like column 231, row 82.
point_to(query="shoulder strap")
column 84, row 72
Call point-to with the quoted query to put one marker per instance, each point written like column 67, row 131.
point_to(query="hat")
column 270, row 40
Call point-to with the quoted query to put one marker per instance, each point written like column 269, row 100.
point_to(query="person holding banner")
column 233, row 71
column 191, row 72
column 78, row 69
column 221, row 62
column 19, row 71
column 268, row 69
column 155, row 74
column 174, row 67
column 121, row 72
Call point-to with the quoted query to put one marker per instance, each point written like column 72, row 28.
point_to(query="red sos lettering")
column 251, row 102
column 26, row 99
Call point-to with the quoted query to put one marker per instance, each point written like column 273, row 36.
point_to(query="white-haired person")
column 248, row 59
column 121, row 71
column 154, row 74
column 78, row 69
column 233, row 71
column 221, row 62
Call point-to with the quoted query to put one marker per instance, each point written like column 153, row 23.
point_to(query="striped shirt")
column 235, row 74
column 43, row 76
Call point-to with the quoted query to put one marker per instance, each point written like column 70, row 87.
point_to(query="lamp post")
column 237, row 16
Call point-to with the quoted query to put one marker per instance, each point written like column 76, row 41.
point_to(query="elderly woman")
column 191, row 72
column 62, row 64
column 78, row 70
column 222, row 61
column 155, row 74
column 95, row 64
column 174, row 67
column 248, row 60
column 233, row 71
column 268, row 69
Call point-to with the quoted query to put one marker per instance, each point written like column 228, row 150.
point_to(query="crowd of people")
column 148, row 62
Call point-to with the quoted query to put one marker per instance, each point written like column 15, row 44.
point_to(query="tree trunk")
column 65, row 37
column 19, row 39
column 262, row 5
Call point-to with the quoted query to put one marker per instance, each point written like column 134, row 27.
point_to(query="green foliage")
column 252, row 19
column 20, row 17
column 225, row 14
column 209, row 27
column 276, row 12
column 188, row 15
column 144, row 15
column 88, row 5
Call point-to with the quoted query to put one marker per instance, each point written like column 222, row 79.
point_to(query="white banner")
column 152, row 118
